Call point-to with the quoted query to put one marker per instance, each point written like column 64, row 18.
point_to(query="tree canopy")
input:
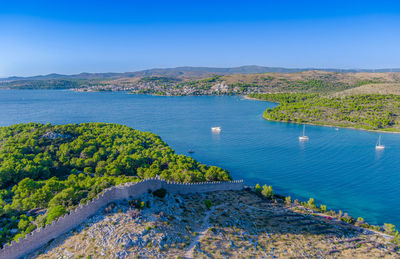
column 46, row 170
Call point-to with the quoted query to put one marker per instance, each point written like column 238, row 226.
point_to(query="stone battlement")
column 41, row 236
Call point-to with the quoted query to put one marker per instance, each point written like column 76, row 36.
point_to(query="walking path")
column 200, row 232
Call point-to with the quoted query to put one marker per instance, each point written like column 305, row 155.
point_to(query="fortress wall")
column 41, row 236
column 202, row 187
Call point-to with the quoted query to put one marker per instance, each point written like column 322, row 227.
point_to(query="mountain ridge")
column 189, row 71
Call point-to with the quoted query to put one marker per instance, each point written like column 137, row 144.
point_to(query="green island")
column 47, row 170
column 365, row 111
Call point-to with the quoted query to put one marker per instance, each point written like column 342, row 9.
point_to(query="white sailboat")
column 216, row 129
column 379, row 146
column 304, row 137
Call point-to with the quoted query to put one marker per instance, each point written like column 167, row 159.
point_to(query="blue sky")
column 41, row 37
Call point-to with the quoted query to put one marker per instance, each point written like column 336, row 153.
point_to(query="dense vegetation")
column 46, row 170
column 372, row 112
column 202, row 84
column 49, row 84
column 158, row 79
column 314, row 85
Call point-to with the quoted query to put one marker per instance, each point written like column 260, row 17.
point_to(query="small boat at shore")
column 304, row 137
column 379, row 146
column 216, row 129
column 191, row 151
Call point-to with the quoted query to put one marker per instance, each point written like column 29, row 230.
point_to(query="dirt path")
column 201, row 231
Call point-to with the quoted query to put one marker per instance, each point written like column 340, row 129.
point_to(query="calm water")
column 338, row 168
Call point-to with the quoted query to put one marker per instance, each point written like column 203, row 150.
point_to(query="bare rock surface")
column 239, row 224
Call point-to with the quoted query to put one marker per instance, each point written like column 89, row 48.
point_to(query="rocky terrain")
column 237, row 224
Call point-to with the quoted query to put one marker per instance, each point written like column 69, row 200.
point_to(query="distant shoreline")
column 323, row 125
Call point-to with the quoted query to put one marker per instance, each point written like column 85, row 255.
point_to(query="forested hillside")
column 371, row 112
column 46, row 170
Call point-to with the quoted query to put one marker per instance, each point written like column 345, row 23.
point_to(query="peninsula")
column 47, row 170
column 53, row 177
column 377, row 112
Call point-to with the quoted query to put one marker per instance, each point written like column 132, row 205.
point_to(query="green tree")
column 258, row 188
column 389, row 228
column 55, row 213
column 267, row 192
column 208, row 204
column 311, row 203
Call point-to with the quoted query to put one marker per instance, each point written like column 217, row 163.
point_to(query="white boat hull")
column 216, row 129
column 303, row 138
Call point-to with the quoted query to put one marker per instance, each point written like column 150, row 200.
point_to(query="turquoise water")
column 339, row 168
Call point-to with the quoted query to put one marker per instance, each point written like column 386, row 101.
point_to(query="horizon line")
column 211, row 67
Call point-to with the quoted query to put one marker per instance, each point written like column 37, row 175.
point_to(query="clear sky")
column 41, row 37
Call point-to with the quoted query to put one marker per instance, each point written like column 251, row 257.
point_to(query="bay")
column 338, row 168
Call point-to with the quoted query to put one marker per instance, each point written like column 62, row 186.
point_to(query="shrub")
column 288, row 200
column 30, row 228
column 396, row 238
column 340, row 214
column 23, row 224
column 160, row 193
column 267, row 191
column 55, row 213
column 389, row 228
column 258, row 188
column 364, row 225
column 348, row 219
column 374, row 227
column 311, row 203
column 40, row 220
column 360, row 222
column 208, row 204
column 322, row 208
column 18, row 236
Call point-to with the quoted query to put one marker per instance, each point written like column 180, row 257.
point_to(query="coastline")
column 334, row 126
column 246, row 97
column 323, row 125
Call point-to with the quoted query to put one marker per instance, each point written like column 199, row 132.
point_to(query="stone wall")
column 41, row 236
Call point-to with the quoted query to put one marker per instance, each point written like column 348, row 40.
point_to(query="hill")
column 306, row 81
column 48, row 170
column 193, row 71
column 224, row 224
column 365, row 111
column 244, row 76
